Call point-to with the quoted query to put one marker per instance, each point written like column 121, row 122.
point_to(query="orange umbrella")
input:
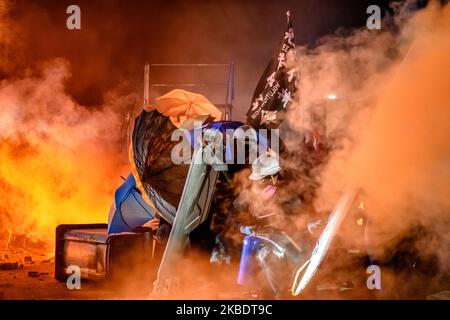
column 181, row 105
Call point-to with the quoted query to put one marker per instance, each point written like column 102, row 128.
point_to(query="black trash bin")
column 101, row 256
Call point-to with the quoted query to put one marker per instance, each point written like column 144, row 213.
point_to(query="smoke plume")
column 59, row 162
column 389, row 129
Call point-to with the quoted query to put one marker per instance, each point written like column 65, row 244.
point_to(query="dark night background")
column 117, row 37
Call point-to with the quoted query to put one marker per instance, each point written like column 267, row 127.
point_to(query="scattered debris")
column 37, row 274
column 8, row 242
column 33, row 274
column 52, row 259
column 348, row 285
column 20, row 242
column 6, row 285
column 28, row 259
column 327, row 287
column 344, row 286
column 9, row 265
column 443, row 295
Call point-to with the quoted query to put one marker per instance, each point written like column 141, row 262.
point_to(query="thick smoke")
column 384, row 97
column 59, row 161
column 402, row 159
column 392, row 137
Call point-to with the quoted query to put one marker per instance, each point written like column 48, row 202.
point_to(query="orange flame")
column 58, row 160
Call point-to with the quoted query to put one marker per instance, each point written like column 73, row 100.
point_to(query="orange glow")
column 361, row 206
column 59, row 162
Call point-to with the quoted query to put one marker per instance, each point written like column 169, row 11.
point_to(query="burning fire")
column 58, row 160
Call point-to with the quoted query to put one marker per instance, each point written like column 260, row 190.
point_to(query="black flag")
column 276, row 88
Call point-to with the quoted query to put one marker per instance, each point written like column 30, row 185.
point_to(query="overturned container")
column 103, row 256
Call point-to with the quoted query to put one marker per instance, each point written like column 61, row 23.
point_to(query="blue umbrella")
column 129, row 210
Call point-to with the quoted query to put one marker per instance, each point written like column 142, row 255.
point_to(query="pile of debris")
column 18, row 250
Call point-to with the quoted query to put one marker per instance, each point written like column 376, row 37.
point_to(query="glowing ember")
column 361, row 206
column 331, row 96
